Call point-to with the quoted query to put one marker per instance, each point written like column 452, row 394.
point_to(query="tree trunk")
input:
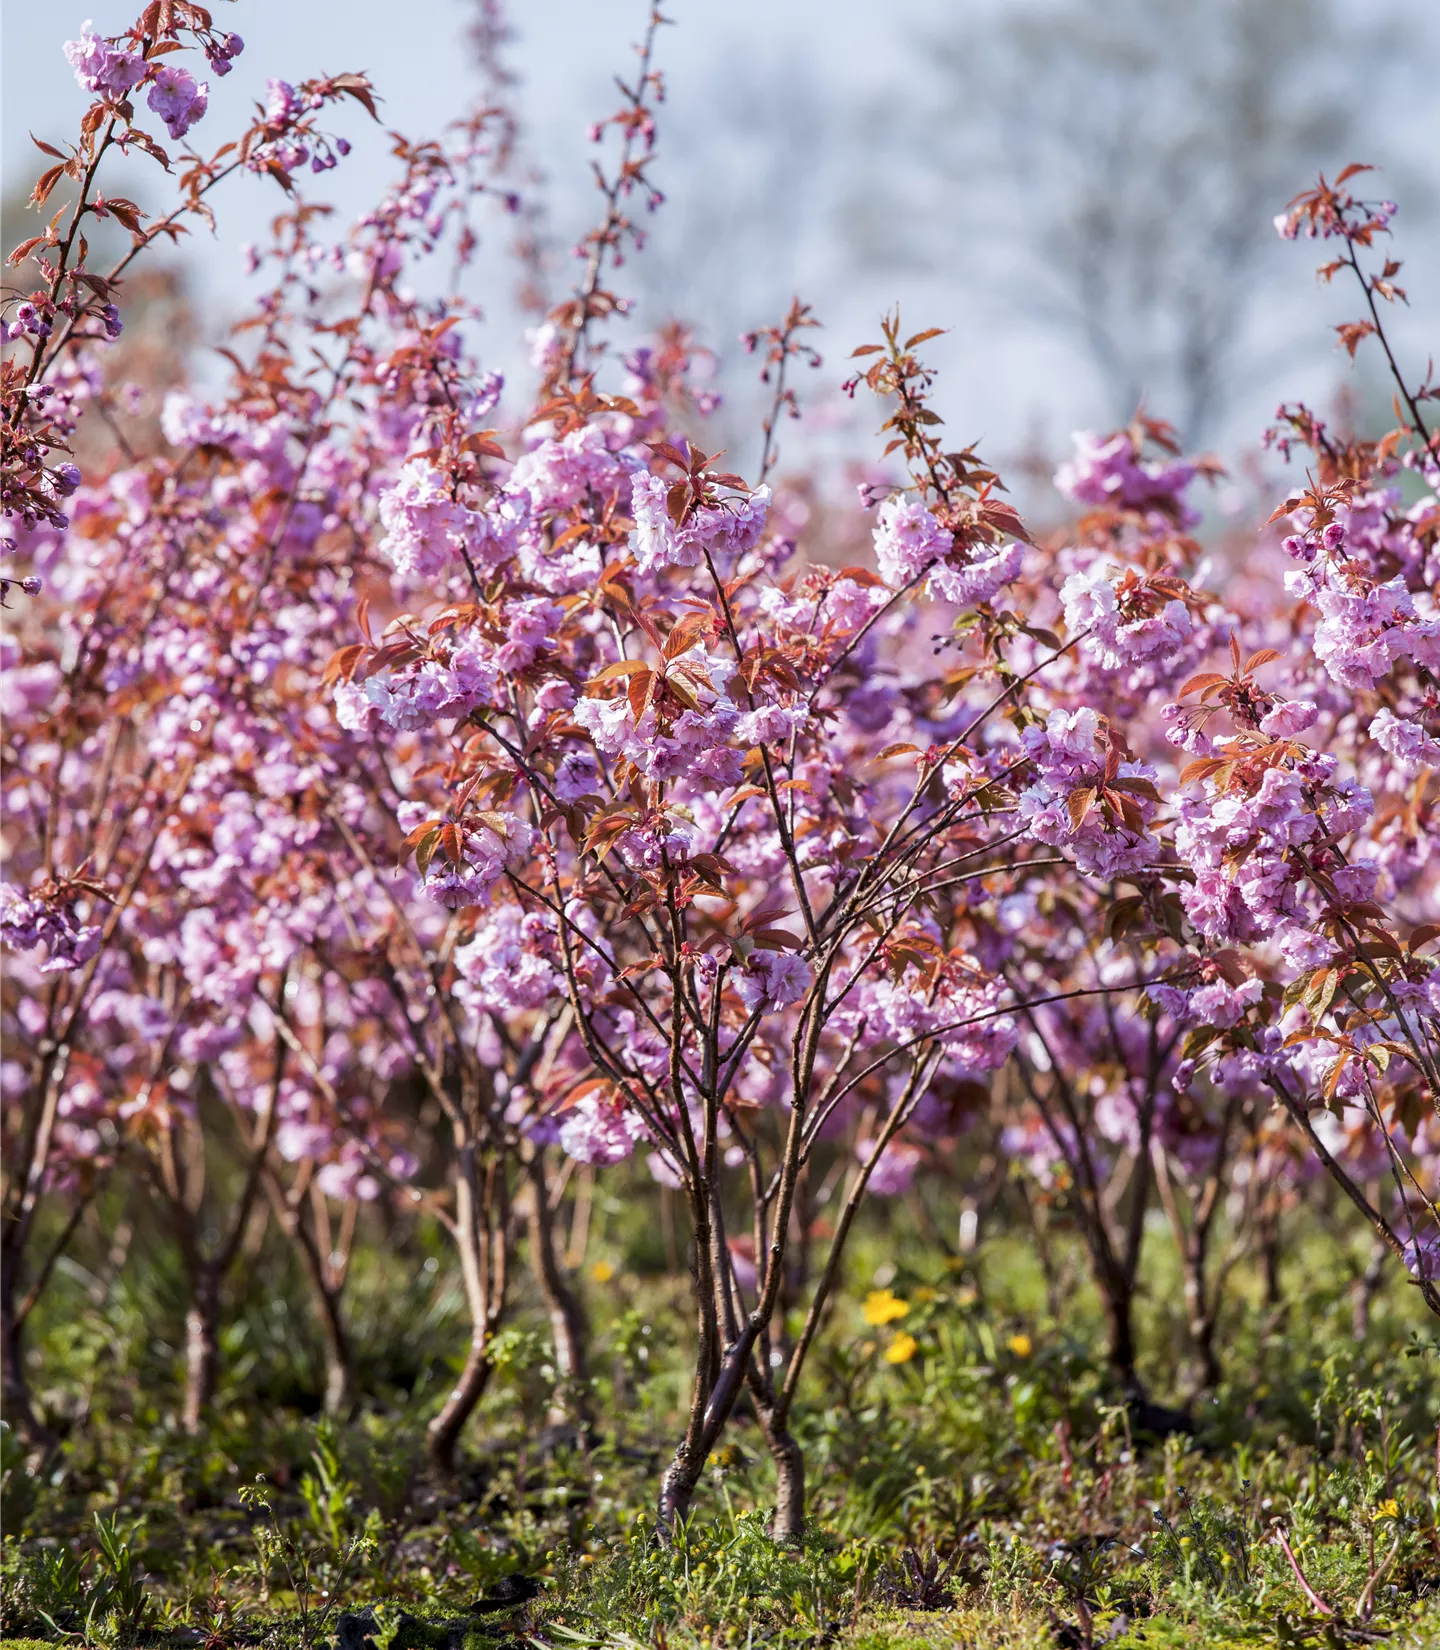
column 787, row 1524
column 481, row 1214
column 1202, row 1334
column 1192, row 1242
column 1270, row 1258
column 677, row 1490
column 444, row 1431
column 677, row 1486
column 1365, row 1288
column 339, row 1377
column 26, row 1169
column 339, row 1374
column 1120, row 1334
column 711, row 1402
column 19, row 1409
column 568, row 1328
column 202, row 1348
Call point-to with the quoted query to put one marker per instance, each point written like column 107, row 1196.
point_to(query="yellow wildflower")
column 902, row 1349
column 1020, row 1345
column 602, row 1271
column 884, row 1306
column 1387, row 1509
column 925, row 1293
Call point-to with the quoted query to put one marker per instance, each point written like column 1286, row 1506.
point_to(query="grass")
column 990, row 1490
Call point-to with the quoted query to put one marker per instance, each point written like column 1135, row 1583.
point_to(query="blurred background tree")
column 1109, row 170
column 1040, row 144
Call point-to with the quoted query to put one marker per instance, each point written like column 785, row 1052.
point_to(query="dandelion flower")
column 902, row 1349
column 884, row 1306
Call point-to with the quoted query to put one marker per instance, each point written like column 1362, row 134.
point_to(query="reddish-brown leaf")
column 1206, row 678
column 1080, row 804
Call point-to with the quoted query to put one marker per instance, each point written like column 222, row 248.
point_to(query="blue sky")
column 846, row 56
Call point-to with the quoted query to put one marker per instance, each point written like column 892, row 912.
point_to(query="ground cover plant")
column 586, row 1061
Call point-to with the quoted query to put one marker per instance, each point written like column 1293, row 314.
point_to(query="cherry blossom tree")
column 367, row 743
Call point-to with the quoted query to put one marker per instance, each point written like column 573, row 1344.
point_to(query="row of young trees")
column 371, row 758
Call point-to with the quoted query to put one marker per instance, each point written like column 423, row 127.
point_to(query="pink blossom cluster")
column 1069, row 755
column 911, row 544
column 48, row 923
column 1112, row 473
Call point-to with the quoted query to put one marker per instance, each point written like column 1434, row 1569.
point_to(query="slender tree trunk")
column 1365, row 1288
column 787, row 1524
column 1192, row 1242
column 708, row 1417
column 1202, row 1330
column 202, row 1347
column 1270, row 1256
column 568, row 1328
column 339, row 1397
column 677, row 1490
column 1201, row 1312
column 713, row 1397
column 339, row 1371
column 797, row 1273
column 339, row 1375
column 481, row 1217
column 1114, row 1257
column 444, row 1431
column 19, row 1408
column 1120, row 1334
column 25, row 1181
column 677, row 1486
column 1039, row 1217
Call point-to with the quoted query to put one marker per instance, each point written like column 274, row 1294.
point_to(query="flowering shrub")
column 708, row 851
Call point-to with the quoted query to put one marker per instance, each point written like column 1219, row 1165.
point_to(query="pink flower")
column 179, row 99
column 99, row 67
column 500, row 839
column 1422, row 1256
column 577, row 774
column 772, row 980
column 1145, row 626
column 428, row 532
column 282, row 102
column 1289, row 717
column 598, row 1131
column 558, row 474
column 1068, row 758
column 694, row 742
column 1216, row 1003
column 770, row 724
column 506, row 968
column 1405, row 740
column 1108, row 470
column 978, row 579
column 47, row 920
column 722, row 530
column 908, row 539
